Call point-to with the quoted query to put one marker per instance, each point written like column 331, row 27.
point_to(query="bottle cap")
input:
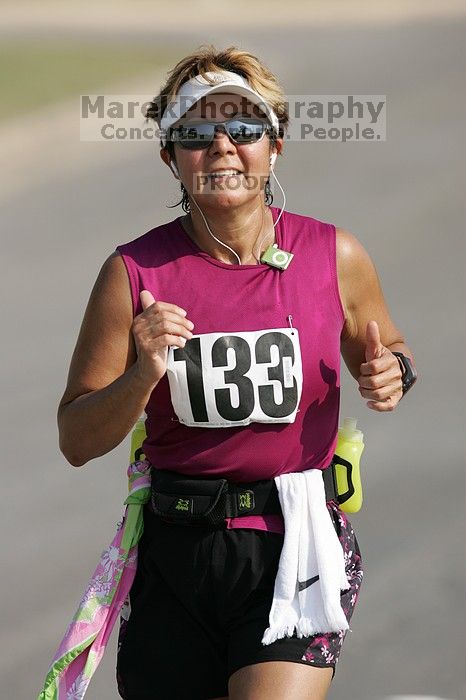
column 349, row 430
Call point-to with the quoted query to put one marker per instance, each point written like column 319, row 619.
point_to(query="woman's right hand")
column 155, row 329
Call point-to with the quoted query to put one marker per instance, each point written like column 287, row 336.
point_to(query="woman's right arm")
column 116, row 364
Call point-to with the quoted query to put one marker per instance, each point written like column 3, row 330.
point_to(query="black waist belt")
column 182, row 499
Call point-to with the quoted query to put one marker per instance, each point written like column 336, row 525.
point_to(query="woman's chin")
column 226, row 200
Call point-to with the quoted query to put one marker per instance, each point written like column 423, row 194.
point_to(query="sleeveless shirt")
column 243, row 403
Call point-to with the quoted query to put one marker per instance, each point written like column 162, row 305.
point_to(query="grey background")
column 403, row 200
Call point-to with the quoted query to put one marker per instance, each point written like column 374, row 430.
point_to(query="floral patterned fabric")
column 83, row 645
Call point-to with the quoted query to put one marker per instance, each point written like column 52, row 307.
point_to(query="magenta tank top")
column 255, row 393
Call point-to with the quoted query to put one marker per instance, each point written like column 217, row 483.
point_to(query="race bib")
column 219, row 380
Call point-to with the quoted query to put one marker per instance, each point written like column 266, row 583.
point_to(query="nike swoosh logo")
column 306, row 584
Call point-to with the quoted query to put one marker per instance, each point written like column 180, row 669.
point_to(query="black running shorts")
column 200, row 604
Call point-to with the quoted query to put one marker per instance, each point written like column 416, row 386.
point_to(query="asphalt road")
column 403, row 199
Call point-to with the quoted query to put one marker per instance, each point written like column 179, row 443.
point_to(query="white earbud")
column 174, row 169
column 273, row 158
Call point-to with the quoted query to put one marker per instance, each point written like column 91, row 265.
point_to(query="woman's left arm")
column 369, row 336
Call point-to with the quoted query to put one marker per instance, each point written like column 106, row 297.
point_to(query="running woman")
column 226, row 326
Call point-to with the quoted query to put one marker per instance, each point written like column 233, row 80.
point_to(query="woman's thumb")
column 374, row 347
column 146, row 298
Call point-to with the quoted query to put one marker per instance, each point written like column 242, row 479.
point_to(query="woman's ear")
column 276, row 149
column 168, row 160
column 278, row 145
column 165, row 156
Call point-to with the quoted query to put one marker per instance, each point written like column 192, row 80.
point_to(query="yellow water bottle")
column 137, row 438
column 347, row 470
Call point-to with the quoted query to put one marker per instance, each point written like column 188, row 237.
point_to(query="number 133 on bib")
column 232, row 379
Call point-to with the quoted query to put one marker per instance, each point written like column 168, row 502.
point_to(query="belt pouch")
column 186, row 500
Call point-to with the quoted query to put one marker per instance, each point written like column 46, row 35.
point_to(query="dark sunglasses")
column 242, row 130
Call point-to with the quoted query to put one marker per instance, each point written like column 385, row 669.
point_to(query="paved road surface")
column 403, row 200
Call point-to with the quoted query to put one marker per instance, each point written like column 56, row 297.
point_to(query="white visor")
column 196, row 88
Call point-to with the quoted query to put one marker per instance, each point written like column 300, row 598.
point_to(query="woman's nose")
column 221, row 142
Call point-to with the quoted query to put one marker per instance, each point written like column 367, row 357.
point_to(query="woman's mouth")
column 221, row 174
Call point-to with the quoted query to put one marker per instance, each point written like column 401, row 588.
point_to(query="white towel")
column 311, row 572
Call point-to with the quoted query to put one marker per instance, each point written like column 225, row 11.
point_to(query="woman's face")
column 251, row 161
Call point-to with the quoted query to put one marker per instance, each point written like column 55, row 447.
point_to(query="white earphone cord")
column 263, row 238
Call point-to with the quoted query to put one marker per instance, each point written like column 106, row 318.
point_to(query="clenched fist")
column 155, row 329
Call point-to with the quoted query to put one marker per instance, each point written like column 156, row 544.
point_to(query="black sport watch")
column 408, row 371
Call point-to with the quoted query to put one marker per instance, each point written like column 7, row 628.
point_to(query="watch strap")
column 408, row 371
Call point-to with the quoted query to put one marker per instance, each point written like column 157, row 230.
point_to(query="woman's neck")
column 247, row 233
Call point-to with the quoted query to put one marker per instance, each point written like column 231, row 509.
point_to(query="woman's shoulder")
column 352, row 257
column 148, row 238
